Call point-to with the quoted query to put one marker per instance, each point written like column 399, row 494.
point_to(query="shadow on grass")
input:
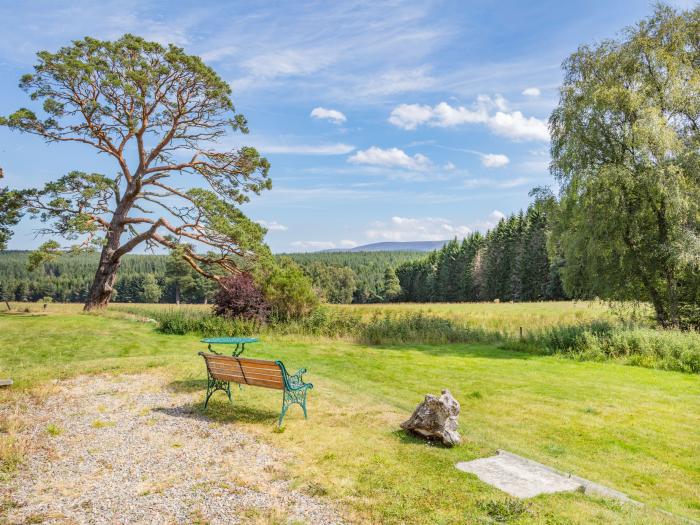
column 221, row 412
column 187, row 386
column 409, row 438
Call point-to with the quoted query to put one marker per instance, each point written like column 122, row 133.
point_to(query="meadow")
column 631, row 428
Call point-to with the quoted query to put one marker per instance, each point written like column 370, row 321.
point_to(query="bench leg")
column 290, row 398
column 213, row 385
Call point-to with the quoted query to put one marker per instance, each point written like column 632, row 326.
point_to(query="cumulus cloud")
column 494, row 160
column 391, row 158
column 347, row 243
column 313, row 245
column 518, row 127
column 272, row 225
column 333, row 115
column 490, row 111
column 531, row 92
column 413, row 229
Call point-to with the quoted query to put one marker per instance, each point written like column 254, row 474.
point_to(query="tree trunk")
column 103, row 283
column 177, row 294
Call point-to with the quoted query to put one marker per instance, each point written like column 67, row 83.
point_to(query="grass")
column 634, row 429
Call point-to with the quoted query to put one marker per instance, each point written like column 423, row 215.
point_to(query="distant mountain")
column 412, row 246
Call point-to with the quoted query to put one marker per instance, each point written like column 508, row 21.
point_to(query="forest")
column 508, row 263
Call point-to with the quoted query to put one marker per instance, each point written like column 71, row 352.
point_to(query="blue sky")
column 383, row 121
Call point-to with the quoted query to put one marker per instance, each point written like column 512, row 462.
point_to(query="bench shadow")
column 187, row 386
column 221, row 413
column 219, row 409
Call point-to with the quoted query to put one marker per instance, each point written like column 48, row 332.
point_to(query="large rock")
column 436, row 418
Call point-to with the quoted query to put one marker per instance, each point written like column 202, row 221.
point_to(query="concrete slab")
column 518, row 476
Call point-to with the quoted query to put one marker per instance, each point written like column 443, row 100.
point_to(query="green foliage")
column 289, row 291
column 509, row 263
column 11, row 203
column 392, row 286
column 664, row 349
column 625, row 149
column 150, row 291
column 369, row 269
column 333, row 284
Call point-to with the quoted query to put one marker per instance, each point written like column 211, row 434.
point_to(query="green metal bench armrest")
column 294, row 382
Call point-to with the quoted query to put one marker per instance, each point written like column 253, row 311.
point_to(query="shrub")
column 240, row 298
column 289, row 291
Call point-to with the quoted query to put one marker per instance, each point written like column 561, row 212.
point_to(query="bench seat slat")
column 246, row 371
column 246, row 376
column 279, row 385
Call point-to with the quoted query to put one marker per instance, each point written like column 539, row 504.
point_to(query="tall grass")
column 626, row 342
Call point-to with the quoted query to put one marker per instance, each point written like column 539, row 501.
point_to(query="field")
column 634, row 429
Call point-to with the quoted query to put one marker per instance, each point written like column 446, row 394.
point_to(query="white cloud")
column 412, row 229
column 518, row 127
column 511, row 124
column 409, row 116
column 449, row 166
column 313, row 245
column 494, row 160
column 391, row 158
column 347, row 243
column 307, row 149
column 532, row 92
column 333, row 115
column 272, row 225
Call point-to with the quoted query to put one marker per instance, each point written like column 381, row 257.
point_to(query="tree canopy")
column 625, row 150
column 159, row 114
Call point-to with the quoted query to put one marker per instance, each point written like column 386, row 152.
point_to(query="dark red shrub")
column 239, row 297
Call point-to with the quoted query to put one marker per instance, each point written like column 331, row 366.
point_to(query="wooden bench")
column 222, row 370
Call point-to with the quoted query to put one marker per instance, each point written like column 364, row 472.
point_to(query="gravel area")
column 126, row 449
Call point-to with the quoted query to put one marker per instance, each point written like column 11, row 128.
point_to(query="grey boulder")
column 436, row 418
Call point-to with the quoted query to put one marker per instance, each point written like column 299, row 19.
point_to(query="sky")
column 383, row 121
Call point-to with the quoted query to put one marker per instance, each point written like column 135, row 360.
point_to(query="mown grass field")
column 634, row 429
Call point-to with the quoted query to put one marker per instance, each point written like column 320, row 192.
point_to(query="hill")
column 411, row 246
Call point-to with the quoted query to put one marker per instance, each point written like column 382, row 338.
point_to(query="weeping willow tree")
column 626, row 152
column 157, row 113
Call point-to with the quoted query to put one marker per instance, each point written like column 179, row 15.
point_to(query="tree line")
column 509, row 263
column 336, row 277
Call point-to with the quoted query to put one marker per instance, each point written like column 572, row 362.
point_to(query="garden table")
column 240, row 343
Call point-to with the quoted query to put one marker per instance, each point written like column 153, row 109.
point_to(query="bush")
column 240, row 298
column 289, row 291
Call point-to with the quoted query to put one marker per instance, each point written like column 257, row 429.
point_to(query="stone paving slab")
column 518, row 476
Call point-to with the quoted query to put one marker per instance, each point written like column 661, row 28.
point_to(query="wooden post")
column 521, row 333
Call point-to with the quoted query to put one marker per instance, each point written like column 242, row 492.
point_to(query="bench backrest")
column 256, row 372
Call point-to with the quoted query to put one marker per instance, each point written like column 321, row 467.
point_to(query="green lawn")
column 633, row 429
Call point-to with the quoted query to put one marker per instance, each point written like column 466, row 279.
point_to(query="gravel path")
column 128, row 450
